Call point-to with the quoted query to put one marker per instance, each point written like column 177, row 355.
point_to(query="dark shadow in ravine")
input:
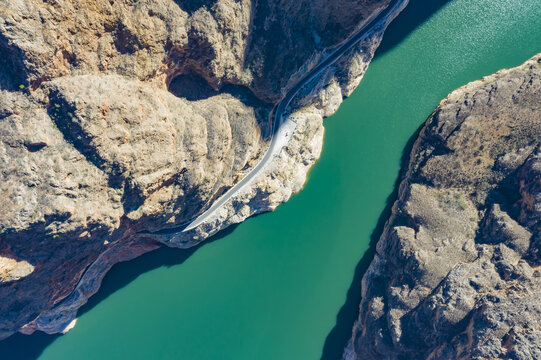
column 414, row 15
column 30, row 347
column 191, row 6
column 192, row 87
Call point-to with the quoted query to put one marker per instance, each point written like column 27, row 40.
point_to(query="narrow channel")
column 285, row 285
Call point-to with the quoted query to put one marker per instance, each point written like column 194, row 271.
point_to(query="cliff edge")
column 122, row 119
column 457, row 273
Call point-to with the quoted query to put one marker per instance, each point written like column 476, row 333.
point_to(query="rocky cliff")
column 120, row 119
column 457, row 273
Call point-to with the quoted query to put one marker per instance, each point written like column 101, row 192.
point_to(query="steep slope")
column 120, row 119
column 457, row 270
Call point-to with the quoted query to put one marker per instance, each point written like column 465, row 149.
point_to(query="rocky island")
column 457, row 272
column 120, row 120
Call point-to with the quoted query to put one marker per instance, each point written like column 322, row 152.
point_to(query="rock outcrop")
column 457, row 273
column 121, row 119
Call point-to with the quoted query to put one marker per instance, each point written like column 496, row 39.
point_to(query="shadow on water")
column 415, row 14
column 30, row 347
column 124, row 273
column 339, row 336
column 24, row 347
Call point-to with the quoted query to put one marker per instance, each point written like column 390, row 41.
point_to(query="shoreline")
column 286, row 172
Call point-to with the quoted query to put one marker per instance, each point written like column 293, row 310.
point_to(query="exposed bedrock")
column 121, row 119
column 457, row 271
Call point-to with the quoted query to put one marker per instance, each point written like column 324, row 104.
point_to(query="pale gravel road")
column 284, row 129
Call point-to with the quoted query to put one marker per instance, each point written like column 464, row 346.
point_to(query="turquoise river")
column 286, row 285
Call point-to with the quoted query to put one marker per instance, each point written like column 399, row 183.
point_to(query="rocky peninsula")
column 122, row 119
column 457, row 273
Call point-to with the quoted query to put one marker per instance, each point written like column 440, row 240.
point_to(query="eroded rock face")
column 119, row 119
column 457, row 270
column 256, row 44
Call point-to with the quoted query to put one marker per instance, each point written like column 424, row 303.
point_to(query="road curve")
column 275, row 144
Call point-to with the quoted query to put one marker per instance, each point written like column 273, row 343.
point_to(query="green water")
column 272, row 288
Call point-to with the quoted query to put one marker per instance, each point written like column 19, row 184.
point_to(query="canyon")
column 120, row 120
